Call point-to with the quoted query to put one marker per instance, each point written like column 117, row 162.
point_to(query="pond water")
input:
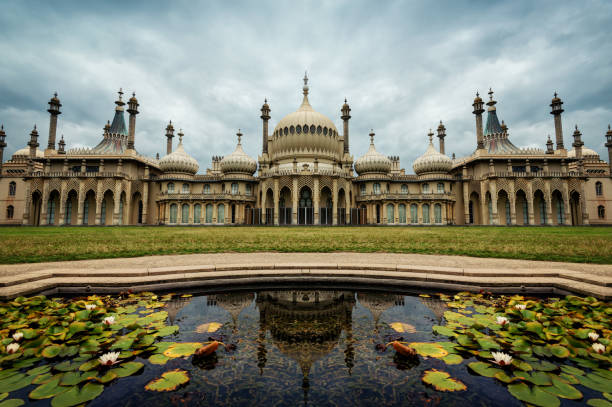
column 296, row 347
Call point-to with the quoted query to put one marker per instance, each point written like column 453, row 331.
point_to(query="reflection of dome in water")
column 233, row 303
column 306, row 325
column 379, row 303
column 437, row 306
column 174, row 306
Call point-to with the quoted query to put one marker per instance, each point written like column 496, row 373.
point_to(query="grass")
column 571, row 244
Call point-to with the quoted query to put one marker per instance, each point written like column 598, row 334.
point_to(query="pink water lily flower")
column 593, row 336
column 501, row 358
column 12, row 348
column 17, row 336
column 109, row 358
column 90, row 307
column 109, row 320
column 599, row 348
column 502, row 321
column 520, row 307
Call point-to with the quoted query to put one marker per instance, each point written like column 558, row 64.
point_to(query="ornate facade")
column 305, row 175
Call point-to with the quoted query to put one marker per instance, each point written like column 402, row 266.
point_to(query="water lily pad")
column 12, row 403
column 452, row 359
column 443, row 330
column 71, row 379
column 487, row 343
column 15, row 382
column 572, row 370
column 595, row 382
column 402, row 327
column 51, row 351
column 208, row 327
column 428, row 349
column 559, row 351
column 544, row 366
column 89, row 365
column 534, row 395
column 167, row 330
column 127, row 369
column 38, row 370
column 75, row 396
column 168, row 381
column 442, row 381
column 158, row 359
column 599, row 403
column 123, row 343
column 182, row 349
column 484, row 369
column 562, row 389
column 48, row 389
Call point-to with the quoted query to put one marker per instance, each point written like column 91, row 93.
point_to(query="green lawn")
column 573, row 244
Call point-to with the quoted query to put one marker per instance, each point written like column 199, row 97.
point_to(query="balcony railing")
column 206, row 197
column 415, row 197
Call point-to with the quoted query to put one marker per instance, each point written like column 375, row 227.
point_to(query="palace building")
column 306, row 175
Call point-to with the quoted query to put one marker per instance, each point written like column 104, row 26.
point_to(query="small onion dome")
column 586, row 153
column 372, row 161
column 25, row 152
column 238, row 161
column 477, row 99
column 179, row 160
column 432, row 160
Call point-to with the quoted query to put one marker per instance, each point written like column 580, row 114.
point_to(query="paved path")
column 175, row 271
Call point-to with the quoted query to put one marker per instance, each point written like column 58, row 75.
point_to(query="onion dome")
column 432, row 160
column 238, row 161
column 179, row 160
column 372, row 161
column 586, row 153
column 25, row 152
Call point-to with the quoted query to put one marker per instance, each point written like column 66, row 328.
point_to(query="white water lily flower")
column 17, row 336
column 501, row 358
column 597, row 347
column 109, row 358
column 593, row 336
column 90, row 307
column 109, row 320
column 12, row 348
column 520, row 306
column 502, row 321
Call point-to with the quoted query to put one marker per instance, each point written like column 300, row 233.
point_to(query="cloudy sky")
column 403, row 66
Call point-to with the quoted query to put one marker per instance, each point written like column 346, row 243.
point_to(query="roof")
column 118, row 124
column 492, row 126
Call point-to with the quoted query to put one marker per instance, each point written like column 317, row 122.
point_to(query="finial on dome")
column 239, row 135
column 490, row 94
column 430, row 135
column 372, row 137
column 305, row 78
column 180, row 134
column 35, row 127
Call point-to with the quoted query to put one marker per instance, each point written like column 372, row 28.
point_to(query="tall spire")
column 118, row 124
column 305, row 102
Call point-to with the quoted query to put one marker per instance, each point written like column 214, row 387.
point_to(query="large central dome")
column 305, row 133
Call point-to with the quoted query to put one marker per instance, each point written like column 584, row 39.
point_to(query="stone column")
column 145, row 202
column 294, row 196
column 444, row 219
column 484, row 211
column 420, row 213
column 396, row 213
column 99, row 198
column 347, row 198
column 549, row 212
column 335, row 201
column 466, row 202
column 44, row 203
column 316, row 201
column 566, row 205
column 512, row 201
column 493, row 191
column 28, row 202
column 190, row 213
column 530, row 203
column 117, row 199
column 585, row 214
column 276, row 199
column 62, row 204
column 80, row 202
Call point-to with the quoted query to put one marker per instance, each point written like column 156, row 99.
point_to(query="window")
column 209, row 213
column 525, row 212
column 249, row 189
column 222, row 188
column 362, row 189
column 197, row 212
column 185, row 213
column 121, row 211
column 390, row 213
column 92, row 168
column 221, row 213
column 438, row 213
column 404, row 189
column 414, row 213
column 535, row 168
column 490, row 209
column 518, row 168
column 601, row 212
column 543, row 212
column 508, row 217
column 10, row 212
column 376, row 188
column 598, row 188
column 185, row 188
column 207, row 188
column 234, row 188
column 560, row 212
column 425, row 188
column 173, row 213
column 12, row 188
column 402, row 213
column 103, row 212
column 86, row 212
column 170, row 187
column 440, row 187
column 68, row 213
column 471, row 212
column 426, row 213
column 51, row 211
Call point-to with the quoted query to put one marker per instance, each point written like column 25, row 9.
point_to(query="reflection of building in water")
column 305, row 326
column 378, row 303
column 174, row 306
column 233, row 303
column 436, row 305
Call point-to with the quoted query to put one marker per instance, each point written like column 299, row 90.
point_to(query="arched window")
column 185, row 214
column 209, row 213
column 171, row 187
column 426, row 213
column 490, row 209
column 425, row 188
column 221, row 213
column 173, row 213
column 390, row 213
column 12, row 188
column 471, row 212
column 362, row 189
column 414, row 213
column 508, row 217
column 10, row 212
column 185, row 188
column 207, row 188
column 560, row 211
column 121, row 211
column 86, row 212
column 249, row 189
column 598, row 188
column 402, row 213
column 440, row 187
column 438, row 213
column 376, row 188
column 525, row 213
column 197, row 212
column 51, row 211
column 404, row 189
column 68, row 214
column 601, row 212
column 103, row 212
column 234, row 188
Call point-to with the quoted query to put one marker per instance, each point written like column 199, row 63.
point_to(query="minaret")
column 169, row 136
column 556, row 111
column 577, row 144
column 441, row 135
column 133, row 111
column 346, row 110
column 608, row 144
column 62, row 146
column 265, row 116
column 478, row 111
column 54, row 111
column 33, row 143
column 3, row 145
column 549, row 146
